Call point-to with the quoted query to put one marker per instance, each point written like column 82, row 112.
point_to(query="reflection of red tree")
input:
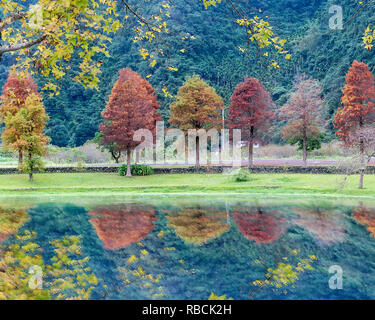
column 260, row 227
column 365, row 217
column 119, row 227
column 321, row 224
column 3, row 237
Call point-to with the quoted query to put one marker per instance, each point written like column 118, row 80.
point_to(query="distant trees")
column 198, row 106
column 24, row 116
column 132, row 105
column 358, row 112
column 302, row 115
column 250, row 110
column 15, row 92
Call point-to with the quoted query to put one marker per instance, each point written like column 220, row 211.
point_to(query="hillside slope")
column 213, row 54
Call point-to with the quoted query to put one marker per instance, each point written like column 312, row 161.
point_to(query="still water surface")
column 189, row 248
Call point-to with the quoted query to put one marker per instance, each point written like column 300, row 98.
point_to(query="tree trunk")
column 251, row 148
column 128, row 169
column 31, row 168
column 362, row 159
column 197, row 152
column 20, row 159
column 116, row 157
column 304, row 151
column 361, row 179
column 363, row 165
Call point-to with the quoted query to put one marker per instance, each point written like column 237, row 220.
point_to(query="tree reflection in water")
column 198, row 225
column 120, row 226
column 365, row 217
column 10, row 221
column 255, row 224
column 322, row 224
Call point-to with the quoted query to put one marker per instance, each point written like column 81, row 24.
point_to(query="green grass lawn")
column 186, row 183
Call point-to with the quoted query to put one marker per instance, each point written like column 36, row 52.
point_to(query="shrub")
column 242, row 175
column 136, row 170
column 80, row 167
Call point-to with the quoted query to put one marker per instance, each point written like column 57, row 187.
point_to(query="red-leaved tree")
column 358, row 109
column 302, row 115
column 250, row 111
column 132, row 106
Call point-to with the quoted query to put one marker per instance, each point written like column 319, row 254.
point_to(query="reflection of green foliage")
column 285, row 274
column 134, row 273
column 215, row 297
column 11, row 220
column 67, row 278
column 71, row 277
column 14, row 269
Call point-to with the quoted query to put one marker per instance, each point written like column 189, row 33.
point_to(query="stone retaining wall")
column 215, row 169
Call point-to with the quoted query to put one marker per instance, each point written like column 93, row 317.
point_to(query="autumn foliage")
column 24, row 117
column 121, row 226
column 302, row 115
column 258, row 226
column 250, row 111
column 132, row 106
column 358, row 109
column 11, row 221
column 15, row 92
column 358, row 101
column 365, row 217
column 197, row 225
column 322, row 224
column 198, row 106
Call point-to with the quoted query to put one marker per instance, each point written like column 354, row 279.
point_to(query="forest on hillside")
column 213, row 51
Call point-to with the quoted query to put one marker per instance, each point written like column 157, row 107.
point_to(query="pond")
column 158, row 247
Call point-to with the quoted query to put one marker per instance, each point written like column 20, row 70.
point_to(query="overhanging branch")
column 10, row 19
column 20, row 46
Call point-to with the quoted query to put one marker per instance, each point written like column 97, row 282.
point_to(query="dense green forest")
column 212, row 52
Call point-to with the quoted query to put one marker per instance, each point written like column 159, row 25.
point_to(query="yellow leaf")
column 132, row 259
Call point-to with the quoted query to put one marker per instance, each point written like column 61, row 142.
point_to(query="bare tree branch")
column 140, row 18
column 20, row 46
column 10, row 19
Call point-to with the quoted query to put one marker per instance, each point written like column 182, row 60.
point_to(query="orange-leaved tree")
column 198, row 106
column 250, row 111
column 132, row 106
column 302, row 115
column 26, row 133
column 358, row 109
column 18, row 87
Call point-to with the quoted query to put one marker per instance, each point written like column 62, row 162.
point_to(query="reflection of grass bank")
column 294, row 184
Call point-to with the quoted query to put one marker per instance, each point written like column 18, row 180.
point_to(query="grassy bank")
column 186, row 183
